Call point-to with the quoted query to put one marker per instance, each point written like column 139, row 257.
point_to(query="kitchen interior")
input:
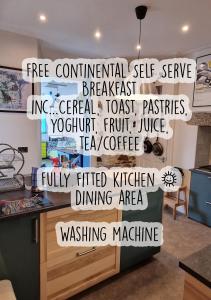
column 32, row 265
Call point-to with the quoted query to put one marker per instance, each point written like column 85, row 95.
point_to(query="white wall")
column 15, row 128
column 185, row 136
column 48, row 51
column 184, row 145
column 180, row 150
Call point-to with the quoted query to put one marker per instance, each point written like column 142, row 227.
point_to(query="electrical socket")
column 23, row 149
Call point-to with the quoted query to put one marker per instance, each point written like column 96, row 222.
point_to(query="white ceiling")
column 71, row 24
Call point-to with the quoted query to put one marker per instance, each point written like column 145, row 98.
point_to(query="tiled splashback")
column 200, row 119
column 116, row 161
column 203, row 147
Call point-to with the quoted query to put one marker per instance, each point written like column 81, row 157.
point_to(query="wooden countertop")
column 57, row 201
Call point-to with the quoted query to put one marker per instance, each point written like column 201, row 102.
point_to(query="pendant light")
column 140, row 14
column 145, row 88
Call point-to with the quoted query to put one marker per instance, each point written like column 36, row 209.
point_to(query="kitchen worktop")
column 199, row 265
column 201, row 171
column 56, row 201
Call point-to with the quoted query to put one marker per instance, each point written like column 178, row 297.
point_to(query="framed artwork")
column 202, row 86
column 14, row 90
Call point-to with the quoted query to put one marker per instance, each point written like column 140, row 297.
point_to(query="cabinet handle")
column 86, row 252
column 207, row 202
column 35, row 231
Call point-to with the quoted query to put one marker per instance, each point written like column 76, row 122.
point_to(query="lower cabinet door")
column 86, row 267
column 199, row 208
column 19, row 251
column 131, row 256
column 66, row 271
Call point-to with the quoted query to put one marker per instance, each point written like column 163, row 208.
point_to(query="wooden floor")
column 160, row 278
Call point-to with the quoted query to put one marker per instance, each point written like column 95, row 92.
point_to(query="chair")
column 175, row 200
column 179, row 198
column 6, row 289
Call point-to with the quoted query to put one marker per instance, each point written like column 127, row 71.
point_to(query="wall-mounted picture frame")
column 14, row 90
column 202, row 85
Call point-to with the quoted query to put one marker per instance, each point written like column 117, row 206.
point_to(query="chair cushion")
column 6, row 290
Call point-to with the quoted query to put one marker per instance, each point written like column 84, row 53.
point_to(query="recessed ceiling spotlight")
column 97, row 34
column 185, row 28
column 138, row 47
column 42, row 18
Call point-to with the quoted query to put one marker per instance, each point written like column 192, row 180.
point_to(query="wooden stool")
column 174, row 200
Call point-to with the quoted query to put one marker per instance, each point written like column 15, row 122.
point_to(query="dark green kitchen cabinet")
column 130, row 256
column 199, row 208
column 19, row 255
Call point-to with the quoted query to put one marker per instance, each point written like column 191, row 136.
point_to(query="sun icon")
column 169, row 179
